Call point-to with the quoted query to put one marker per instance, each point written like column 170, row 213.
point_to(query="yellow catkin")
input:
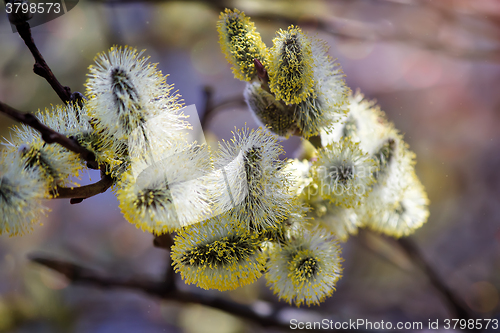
column 291, row 66
column 241, row 43
column 216, row 254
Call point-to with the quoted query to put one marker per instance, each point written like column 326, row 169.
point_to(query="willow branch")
column 77, row 194
column 49, row 135
column 169, row 291
column 315, row 140
column 356, row 30
column 82, row 275
column 42, row 69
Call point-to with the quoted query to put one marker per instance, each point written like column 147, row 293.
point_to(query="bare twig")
column 170, row 281
column 315, row 140
column 267, row 316
column 209, row 109
column 42, row 69
column 82, row 275
column 49, row 135
column 76, row 194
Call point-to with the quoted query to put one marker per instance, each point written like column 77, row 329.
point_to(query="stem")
column 42, row 69
column 267, row 315
column 164, row 241
column 82, row 275
column 77, row 194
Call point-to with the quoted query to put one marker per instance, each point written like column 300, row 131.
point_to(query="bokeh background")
column 433, row 67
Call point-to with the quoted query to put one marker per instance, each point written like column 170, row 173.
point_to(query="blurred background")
column 433, row 67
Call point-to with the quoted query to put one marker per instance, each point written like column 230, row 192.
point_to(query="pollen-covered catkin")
column 217, row 254
column 291, row 66
column 241, row 43
column 343, row 173
column 251, row 165
column 132, row 107
column 168, row 194
column 328, row 103
column 21, row 192
column 306, row 269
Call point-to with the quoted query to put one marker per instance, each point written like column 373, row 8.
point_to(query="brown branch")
column 166, row 241
column 349, row 29
column 85, row 276
column 49, row 135
column 261, row 71
column 208, row 109
column 315, row 140
column 77, row 194
column 81, row 275
column 42, row 69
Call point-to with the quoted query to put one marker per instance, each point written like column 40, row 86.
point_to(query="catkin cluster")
column 241, row 211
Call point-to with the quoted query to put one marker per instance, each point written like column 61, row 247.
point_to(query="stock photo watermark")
column 38, row 12
column 364, row 324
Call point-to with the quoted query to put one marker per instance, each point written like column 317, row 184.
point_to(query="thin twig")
column 81, row 275
column 42, row 69
column 208, row 109
column 266, row 315
column 170, row 281
column 49, row 135
column 315, row 140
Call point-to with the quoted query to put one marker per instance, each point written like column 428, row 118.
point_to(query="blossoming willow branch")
column 240, row 211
